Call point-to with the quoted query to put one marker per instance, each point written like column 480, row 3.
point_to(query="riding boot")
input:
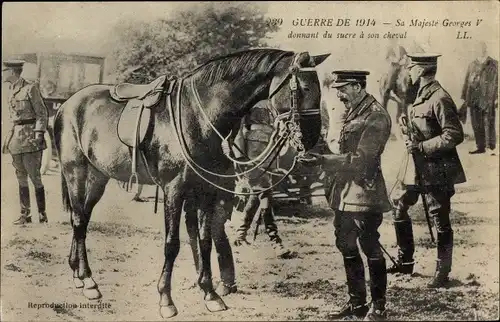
column 444, row 261
column 378, row 280
column 24, row 200
column 272, row 232
column 406, row 246
column 356, row 287
column 40, row 201
column 376, row 312
column 242, row 231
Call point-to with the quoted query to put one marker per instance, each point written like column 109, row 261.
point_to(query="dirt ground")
column 125, row 248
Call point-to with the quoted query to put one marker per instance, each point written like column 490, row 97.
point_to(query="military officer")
column 25, row 141
column 434, row 130
column 252, row 139
column 358, row 193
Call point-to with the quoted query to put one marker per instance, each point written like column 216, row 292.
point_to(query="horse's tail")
column 57, row 129
column 65, row 195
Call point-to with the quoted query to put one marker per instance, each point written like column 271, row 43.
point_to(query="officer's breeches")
column 438, row 201
column 349, row 226
column 28, row 165
column 267, row 215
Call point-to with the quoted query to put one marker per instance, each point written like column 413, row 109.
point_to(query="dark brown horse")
column 183, row 144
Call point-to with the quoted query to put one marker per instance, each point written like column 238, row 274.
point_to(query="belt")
column 24, row 122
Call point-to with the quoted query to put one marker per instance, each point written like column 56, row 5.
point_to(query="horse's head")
column 296, row 96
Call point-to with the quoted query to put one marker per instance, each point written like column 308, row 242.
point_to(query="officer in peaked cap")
column 344, row 77
column 25, row 141
column 432, row 132
column 13, row 64
column 422, row 59
column 358, row 195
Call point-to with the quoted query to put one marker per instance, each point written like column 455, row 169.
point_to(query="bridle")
column 287, row 130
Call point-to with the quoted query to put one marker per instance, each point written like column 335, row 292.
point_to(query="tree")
column 143, row 50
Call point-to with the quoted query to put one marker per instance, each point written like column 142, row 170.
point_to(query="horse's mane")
column 237, row 65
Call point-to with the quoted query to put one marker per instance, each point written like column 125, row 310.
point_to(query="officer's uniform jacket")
column 480, row 89
column 253, row 137
column 28, row 114
column 256, row 126
column 435, row 124
column 359, row 185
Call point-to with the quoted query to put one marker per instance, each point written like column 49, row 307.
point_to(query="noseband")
column 287, row 129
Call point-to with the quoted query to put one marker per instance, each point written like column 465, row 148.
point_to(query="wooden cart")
column 59, row 76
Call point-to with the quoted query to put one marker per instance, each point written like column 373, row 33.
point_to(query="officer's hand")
column 39, row 137
column 310, row 159
column 412, row 147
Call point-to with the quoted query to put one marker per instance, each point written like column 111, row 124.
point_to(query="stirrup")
column 130, row 183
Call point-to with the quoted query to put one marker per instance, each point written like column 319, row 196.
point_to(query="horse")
column 396, row 85
column 183, row 140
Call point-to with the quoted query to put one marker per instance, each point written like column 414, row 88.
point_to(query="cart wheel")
column 47, row 154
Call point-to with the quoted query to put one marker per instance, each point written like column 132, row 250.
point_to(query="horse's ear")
column 320, row 58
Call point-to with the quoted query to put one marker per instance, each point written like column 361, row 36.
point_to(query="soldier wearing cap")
column 433, row 131
column 358, row 193
column 25, row 141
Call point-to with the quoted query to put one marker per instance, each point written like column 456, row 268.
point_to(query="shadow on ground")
column 303, row 211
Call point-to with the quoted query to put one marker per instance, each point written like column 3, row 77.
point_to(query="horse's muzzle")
column 310, row 126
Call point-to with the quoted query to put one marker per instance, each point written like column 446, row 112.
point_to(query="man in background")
column 252, row 139
column 25, row 141
column 480, row 95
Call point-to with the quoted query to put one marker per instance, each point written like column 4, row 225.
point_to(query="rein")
column 192, row 164
column 289, row 133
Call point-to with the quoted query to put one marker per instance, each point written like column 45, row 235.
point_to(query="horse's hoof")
column 224, row 289
column 92, row 293
column 168, row 311
column 216, row 305
column 78, row 282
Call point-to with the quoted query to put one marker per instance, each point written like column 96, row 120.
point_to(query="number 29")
column 275, row 21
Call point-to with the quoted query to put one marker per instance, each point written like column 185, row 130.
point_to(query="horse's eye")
column 305, row 88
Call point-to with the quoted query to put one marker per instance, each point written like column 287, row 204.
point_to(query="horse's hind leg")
column 85, row 186
column 213, row 302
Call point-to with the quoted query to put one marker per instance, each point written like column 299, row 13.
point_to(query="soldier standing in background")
column 252, row 138
column 25, row 141
column 480, row 95
column 435, row 131
column 358, row 194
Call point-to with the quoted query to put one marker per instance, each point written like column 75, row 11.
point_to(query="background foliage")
column 143, row 50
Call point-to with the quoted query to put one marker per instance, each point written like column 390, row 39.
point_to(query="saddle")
column 149, row 94
column 135, row 118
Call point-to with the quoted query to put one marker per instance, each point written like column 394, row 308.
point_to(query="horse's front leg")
column 190, row 210
column 213, row 302
column 173, row 207
column 224, row 253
